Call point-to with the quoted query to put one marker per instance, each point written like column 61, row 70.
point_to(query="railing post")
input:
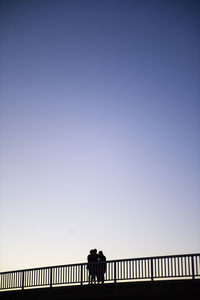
column 151, row 269
column 51, row 275
column 115, row 275
column 193, row 275
column 81, row 274
column 22, row 280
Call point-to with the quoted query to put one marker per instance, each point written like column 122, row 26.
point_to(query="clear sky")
column 99, row 130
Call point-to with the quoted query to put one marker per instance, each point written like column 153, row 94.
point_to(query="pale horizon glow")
column 99, row 130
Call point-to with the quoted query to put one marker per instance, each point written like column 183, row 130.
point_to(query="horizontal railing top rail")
column 131, row 269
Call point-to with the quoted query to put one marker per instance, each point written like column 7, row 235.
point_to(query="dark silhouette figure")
column 89, row 259
column 92, row 265
column 101, row 267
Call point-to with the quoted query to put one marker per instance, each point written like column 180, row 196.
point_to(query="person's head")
column 95, row 251
column 100, row 252
column 91, row 251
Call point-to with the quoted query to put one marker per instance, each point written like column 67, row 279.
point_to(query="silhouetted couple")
column 96, row 266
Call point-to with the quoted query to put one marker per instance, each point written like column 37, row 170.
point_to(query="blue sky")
column 99, row 130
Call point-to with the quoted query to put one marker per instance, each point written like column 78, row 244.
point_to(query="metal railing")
column 147, row 268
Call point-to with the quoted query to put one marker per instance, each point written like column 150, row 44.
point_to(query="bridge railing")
column 147, row 268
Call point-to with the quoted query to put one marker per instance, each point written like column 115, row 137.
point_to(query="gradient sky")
column 99, row 130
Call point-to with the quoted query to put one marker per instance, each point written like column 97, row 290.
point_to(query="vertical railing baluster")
column 33, row 272
column 67, row 274
column 175, row 266
column 51, row 276
column 115, row 277
column 9, row 280
column 81, row 274
column 22, row 280
column 196, row 273
column 152, row 269
column 178, row 259
column 161, row 267
column 136, row 274
column 138, row 268
column 168, row 271
column 181, row 266
column 186, row 267
column 149, row 268
column 6, row 281
column 16, row 281
column 193, row 273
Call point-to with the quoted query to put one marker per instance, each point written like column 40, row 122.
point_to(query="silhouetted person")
column 92, row 267
column 89, row 266
column 101, row 267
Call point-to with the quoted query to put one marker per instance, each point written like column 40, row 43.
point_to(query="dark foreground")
column 124, row 291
